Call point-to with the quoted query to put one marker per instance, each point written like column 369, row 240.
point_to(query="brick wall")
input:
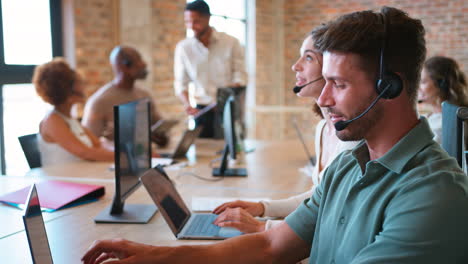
column 153, row 27
column 281, row 25
column 95, row 33
column 446, row 34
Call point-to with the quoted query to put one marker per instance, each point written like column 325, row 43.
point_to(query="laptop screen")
column 187, row 140
column 35, row 230
column 168, row 200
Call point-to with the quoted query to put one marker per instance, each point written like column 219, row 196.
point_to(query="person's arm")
column 57, row 130
column 240, row 214
column 181, row 80
column 283, row 207
column 239, row 75
column 93, row 119
column 278, row 245
column 184, row 98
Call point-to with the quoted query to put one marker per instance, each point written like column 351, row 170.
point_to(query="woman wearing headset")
column 441, row 80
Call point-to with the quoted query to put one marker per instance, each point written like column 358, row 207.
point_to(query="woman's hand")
column 240, row 219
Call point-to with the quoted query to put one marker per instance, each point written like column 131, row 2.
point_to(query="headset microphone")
column 297, row 89
column 340, row 125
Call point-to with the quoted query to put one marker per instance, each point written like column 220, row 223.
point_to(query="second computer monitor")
column 132, row 159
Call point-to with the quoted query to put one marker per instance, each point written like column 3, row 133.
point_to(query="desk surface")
column 273, row 172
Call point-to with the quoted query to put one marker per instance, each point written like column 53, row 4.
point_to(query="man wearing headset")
column 128, row 67
column 395, row 198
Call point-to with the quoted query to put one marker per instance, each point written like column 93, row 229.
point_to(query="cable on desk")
column 182, row 173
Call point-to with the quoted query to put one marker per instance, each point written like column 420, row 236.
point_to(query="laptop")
column 163, row 126
column 301, row 138
column 35, row 230
column 184, row 144
column 183, row 223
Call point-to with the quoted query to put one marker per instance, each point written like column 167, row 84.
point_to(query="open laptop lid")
column 299, row 134
column 35, row 230
column 186, row 141
column 168, row 200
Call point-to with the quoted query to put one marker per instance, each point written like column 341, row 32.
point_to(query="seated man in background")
column 128, row 66
column 395, row 198
column 210, row 60
column 61, row 137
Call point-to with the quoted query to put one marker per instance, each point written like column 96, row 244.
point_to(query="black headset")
column 389, row 84
column 126, row 61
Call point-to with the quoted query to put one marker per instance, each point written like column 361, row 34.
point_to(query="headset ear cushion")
column 126, row 62
column 395, row 82
column 442, row 84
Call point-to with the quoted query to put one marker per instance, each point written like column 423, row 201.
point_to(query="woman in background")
column 441, row 80
column 240, row 214
column 61, row 138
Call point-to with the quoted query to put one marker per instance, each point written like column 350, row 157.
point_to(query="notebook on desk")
column 182, row 222
column 56, row 194
column 184, row 144
column 35, row 229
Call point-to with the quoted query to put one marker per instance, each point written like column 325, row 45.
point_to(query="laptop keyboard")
column 202, row 225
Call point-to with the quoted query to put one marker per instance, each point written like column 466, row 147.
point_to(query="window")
column 30, row 34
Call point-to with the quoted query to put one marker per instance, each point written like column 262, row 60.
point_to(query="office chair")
column 31, row 150
column 454, row 132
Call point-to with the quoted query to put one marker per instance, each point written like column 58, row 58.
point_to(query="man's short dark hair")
column 362, row 33
column 199, row 6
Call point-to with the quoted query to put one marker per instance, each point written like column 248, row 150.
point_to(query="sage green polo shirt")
column 408, row 206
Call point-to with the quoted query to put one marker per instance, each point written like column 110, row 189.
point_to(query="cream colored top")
column 53, row 153
column 435, row 123
column 283, row 207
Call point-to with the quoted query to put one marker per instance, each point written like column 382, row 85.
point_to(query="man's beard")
column 201, row 33
column 141, row 75
column 358, row 129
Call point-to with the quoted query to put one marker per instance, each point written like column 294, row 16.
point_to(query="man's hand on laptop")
column 131, row 252
column 239, row 219
column 253, row 208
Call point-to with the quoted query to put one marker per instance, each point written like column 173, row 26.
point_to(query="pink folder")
column 56, row 194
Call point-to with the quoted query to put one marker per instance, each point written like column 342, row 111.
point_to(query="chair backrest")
column 31, row 150
column 453, row 132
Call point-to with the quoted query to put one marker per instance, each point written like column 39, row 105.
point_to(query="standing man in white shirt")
column 210, row 60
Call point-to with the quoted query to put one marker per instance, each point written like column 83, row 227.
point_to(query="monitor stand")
column 131, row 214
column 223, row 170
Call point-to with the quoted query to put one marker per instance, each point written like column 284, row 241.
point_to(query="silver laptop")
column 183, row 223
column 35, row 230
column 184, row 144
column 301, row 138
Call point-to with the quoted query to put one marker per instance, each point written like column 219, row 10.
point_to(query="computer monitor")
column 132, row 159
column 453, row 139
column 230, row 138
column 222, row 94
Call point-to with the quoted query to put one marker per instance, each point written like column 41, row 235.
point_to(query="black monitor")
column 132, row 159
column 230, row 138
column 453, row 139
column 222, row 94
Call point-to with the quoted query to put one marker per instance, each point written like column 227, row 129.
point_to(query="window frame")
column 16, row 74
